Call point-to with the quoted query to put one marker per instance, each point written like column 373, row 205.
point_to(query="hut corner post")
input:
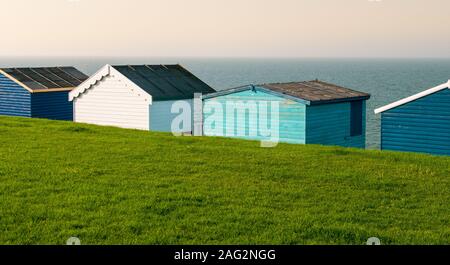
column 198, row 114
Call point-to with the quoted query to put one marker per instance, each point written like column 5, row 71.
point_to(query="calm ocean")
column 387, row 80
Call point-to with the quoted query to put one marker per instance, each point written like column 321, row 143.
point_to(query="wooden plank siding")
column 422, row 125
column 52, row 105
column 330, row 124
column 161, row 116
column 14, row 99
column 291, row 118
column 110, row 102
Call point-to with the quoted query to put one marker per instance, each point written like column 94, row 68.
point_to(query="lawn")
column 114, row 186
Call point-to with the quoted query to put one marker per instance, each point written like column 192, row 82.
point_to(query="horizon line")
column 224, row 57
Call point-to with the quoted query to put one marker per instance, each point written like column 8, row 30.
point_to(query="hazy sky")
column 226, row 28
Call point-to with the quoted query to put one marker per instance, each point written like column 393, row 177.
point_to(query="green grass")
column 113, row 186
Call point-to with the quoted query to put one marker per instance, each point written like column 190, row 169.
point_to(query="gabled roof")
column 308, row 92
column 413, row 97
column 106, row 71
column 45, row 79
column 164, row 82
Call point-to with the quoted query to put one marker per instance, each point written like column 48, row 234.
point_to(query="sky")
column 226, row 28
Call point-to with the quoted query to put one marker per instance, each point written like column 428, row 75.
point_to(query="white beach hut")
column 135, row 96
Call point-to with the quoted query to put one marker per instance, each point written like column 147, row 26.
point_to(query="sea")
column 387, row 80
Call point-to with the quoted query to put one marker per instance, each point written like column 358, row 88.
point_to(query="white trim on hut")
column 413, row 97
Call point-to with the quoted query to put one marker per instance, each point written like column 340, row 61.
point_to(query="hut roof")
column 413, row 97
column 317, row 92
column 164, row 82
column 309, row 92
column 45, row 79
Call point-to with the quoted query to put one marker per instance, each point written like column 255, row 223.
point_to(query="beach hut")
column 38, row 92
column 419, row 123
column 136, row 96
column 312, row 112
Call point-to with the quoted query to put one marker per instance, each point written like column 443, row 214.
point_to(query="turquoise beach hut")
column 312, row 112
column 419, row 123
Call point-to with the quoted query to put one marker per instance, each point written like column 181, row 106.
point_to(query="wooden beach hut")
column 419, row 123
column 135, row 96
column 312, row 112
column 38, row 92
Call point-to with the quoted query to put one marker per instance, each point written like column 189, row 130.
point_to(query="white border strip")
column 414, row 97
column 99, row 75
column 135, row 89
column 102, row 73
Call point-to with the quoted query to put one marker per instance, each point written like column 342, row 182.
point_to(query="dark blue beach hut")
column 419, row 123
column 38, row 92
column 312, row 112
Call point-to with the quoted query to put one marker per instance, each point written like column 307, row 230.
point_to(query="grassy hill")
column 114, row 186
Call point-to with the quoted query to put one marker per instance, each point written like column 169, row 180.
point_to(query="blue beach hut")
column 312, row 112
column 38, row 92
column 419, row 123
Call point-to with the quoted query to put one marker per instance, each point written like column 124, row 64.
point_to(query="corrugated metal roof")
column 47, row 78
column 317, row 92
column 165, row 82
